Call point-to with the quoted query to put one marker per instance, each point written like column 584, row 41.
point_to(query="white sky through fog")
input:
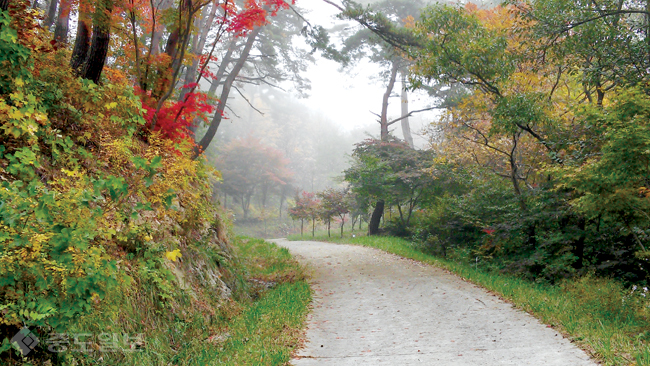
column 348, row 98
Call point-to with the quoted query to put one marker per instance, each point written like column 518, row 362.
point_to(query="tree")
column 225, row 93
column 96, row 58
column 366, row 43
column 497, row 69
column 359, row 207
column 247, row 166
column 311, row 206
column 342, row 208
column 612, row 185
column 333, row 203
column 61, row 28
column 392, row 172
column 267, row 57
column 301, row 209
column 51, row 12
column 539, row 110
column 82, row 40
column 127, row 36
column 382, row 39
column 603, row 44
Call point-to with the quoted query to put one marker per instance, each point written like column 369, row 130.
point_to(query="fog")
column 294, row 116
column 317, row 126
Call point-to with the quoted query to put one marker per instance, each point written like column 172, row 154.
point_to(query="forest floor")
column 375, row 308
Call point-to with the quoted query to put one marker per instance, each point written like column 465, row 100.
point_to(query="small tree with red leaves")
column 333, row 204
column 304, row 209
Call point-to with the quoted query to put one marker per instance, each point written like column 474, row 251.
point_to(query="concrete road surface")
column 375, row 308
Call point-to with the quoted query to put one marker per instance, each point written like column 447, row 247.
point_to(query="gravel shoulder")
column 375, row 308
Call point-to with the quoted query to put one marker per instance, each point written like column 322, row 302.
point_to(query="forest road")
column 375, row 308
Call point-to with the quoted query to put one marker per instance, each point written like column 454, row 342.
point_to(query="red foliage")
column 489, row 231
column 254, row 14
column 205, row 69
column 174, row 118
column 306, row 206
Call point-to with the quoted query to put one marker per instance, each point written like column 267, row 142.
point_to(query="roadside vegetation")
column 611, row 322
column 113, row 248
column 259, row 322
column 535, row 180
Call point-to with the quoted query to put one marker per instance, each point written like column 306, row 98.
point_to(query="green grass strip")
column 266, row 333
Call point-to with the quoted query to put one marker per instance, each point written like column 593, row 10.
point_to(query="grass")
column 268, row 330
column 266, row 333
column 259, row 324
column 600, row 315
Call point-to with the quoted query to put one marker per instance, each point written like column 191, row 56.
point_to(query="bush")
column 90, row 202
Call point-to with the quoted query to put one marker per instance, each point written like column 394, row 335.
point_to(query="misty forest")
column 148, row 147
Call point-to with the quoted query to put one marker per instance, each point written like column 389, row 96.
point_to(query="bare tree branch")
column 413, row 112
column 248, row 101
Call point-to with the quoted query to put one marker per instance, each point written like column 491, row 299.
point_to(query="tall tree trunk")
column 399, row 210
column 514, row 176
column 514, row 173
column 221, row 71
column 225, row 61
column 164, row 77
column 198, row 43
column 600, row 94
column 406, row 127
column 171, row 47
column 156, row 36
column 373, row 225
column 245, row 205
column 94, row 64
column 283, row 197
column 62, row 22
column 579, row 247
column 180, row 36
column 51, row 13
column 412, row 204
column 384, row 102
column 82, row 41
column 218, row 115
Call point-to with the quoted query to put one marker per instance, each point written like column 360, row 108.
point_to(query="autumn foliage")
column 174, row 119
column 98, row 204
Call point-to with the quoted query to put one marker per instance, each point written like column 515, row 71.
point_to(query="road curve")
column 375, row 308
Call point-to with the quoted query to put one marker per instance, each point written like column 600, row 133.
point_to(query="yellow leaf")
column 173, row 255
column 16, row 114
column 40, row 117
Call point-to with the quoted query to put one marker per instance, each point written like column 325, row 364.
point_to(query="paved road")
column 375, row 308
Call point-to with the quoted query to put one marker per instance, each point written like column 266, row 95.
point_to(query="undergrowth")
column 603, row 317
column 259, row 323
